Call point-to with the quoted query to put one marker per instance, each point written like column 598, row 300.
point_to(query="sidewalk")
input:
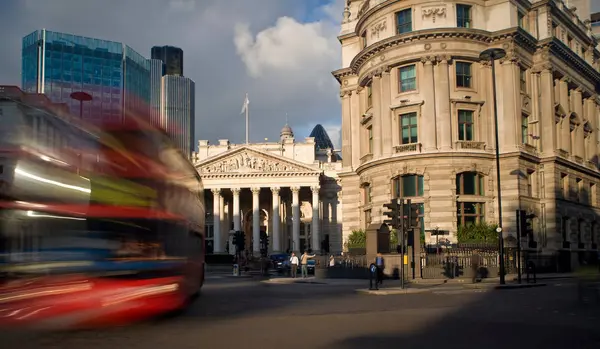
column 312, row 280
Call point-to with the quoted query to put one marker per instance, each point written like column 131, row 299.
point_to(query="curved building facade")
column 418, row 121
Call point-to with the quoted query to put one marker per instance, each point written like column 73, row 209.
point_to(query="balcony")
column 578, row 159
column 470, row 145
column 528, row 148
column 408, row 148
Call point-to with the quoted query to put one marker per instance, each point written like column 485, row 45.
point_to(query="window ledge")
column 408, row 148
column 528, row 148
column 470, row 145
column 471, row 198
column 366, row 158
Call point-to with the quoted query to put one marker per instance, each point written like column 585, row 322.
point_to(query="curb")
column 387, row 292
column 518, row 286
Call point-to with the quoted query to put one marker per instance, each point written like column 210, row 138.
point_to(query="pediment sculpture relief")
column 245, row 162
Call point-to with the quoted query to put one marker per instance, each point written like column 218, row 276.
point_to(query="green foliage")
column 393, row 238
column 357, row 239
column 477, row 233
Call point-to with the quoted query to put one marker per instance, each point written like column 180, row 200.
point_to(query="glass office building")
column 178, row 111
column 172, row 58
column 156, row 72
column 116, row 76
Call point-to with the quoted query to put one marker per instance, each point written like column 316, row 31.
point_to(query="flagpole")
column 247, row 120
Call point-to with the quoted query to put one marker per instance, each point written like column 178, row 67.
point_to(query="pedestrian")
column 331, row 261
column 380, row 263
column 304, row 261
column 293, row 265
column 475, row 263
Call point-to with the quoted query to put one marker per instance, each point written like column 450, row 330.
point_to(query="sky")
column 280, row 52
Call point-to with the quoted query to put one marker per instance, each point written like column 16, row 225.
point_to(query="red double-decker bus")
column 99, row 224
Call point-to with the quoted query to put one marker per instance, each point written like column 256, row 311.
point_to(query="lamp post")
column 492, row 55
column 81, row 97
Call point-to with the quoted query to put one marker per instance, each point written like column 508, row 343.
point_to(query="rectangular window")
column 363, row 40
column 465, row 125
column 564, row 178
column 530, row 183
column 523, row 80
column 369, row 96
column 463, row 16
column 525, row 129
column 409, row 128
column 522, row 21
column 470, row 213
column 463, row 74
column 370, row 139
column 470, row 183
column 367, row 193
column 408, row 78
column 409, row 185
column 404, row 21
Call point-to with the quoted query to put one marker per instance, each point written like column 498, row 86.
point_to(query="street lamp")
column 81, row 97
column 492, row 54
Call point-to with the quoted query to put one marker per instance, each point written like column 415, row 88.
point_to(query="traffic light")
column 526, row 223
column 235, row 238
column 394, row 208
column 412, row 215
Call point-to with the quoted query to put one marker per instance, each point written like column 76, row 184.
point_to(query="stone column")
column 547, row 125
column 255, row 221
column 275, row 220
column 236, row 209
column 509, row 110
column 346, row 129
column 565, row 130
column 295, row 219
column 427, row 129
column 316, row 236
column 376, row 97
column 223, row 224
column 355, row 128
column 217, row 245
column 442, row 104
column 590, row 106
column 578, row 140
column 386, row 115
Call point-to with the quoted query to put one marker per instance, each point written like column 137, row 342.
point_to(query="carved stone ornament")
column 376, row 29
column 434, row 11
column 247, row 162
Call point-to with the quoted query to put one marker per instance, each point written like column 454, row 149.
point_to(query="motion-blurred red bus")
column 99, row 224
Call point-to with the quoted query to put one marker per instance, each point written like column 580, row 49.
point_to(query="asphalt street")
column 245, row 313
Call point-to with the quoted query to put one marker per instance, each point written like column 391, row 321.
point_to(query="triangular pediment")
column 249, row 160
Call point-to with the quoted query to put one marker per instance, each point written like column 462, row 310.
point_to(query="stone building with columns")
column 418, row 121
column 287, row 189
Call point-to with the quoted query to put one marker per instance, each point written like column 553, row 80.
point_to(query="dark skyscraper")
column 172, row 58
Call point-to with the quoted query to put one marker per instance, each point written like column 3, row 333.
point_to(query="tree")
column 477, row 233
column 357, row 239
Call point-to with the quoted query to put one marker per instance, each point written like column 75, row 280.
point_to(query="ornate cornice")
column 342, row 73
column 259, row 175
column 559, row 50
column 564, row 19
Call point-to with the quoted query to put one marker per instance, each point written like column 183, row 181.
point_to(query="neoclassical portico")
column 253, row 190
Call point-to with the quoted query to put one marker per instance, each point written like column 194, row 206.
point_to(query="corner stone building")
column 418, row 122
column 287, row 189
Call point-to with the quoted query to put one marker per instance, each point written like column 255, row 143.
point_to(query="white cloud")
column 182, row 5
column 335, row 134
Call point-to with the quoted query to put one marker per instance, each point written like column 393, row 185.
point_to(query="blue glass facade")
column 58, row 64
column 178, row 111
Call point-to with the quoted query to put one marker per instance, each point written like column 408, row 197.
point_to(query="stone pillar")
column 565, row 130
column 547, row 123
column 275, row 221
column 376, row 97
column 578, row 140
column 442, row 104
column 427, row 129
column 236, row 209
column 217, row 245
column 255, row 221
column 346, row 129
column 509, row 111
column 386, row 115
column 355, row 128
column 590, row 107
column 295, row 219
column 223, row 224
column 487, row 109
column 316, row 236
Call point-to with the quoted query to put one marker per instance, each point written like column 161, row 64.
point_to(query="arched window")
column 470, row 183
column 408, row 185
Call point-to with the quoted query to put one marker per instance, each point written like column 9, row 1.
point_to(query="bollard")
column 236, row 270
column 373, row 277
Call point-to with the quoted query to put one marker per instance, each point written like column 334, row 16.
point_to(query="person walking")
column 380, row 263
column 293, row 265
column 304, row 262
column 475, row 264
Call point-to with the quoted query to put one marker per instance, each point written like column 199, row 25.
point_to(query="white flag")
column 245, row 106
